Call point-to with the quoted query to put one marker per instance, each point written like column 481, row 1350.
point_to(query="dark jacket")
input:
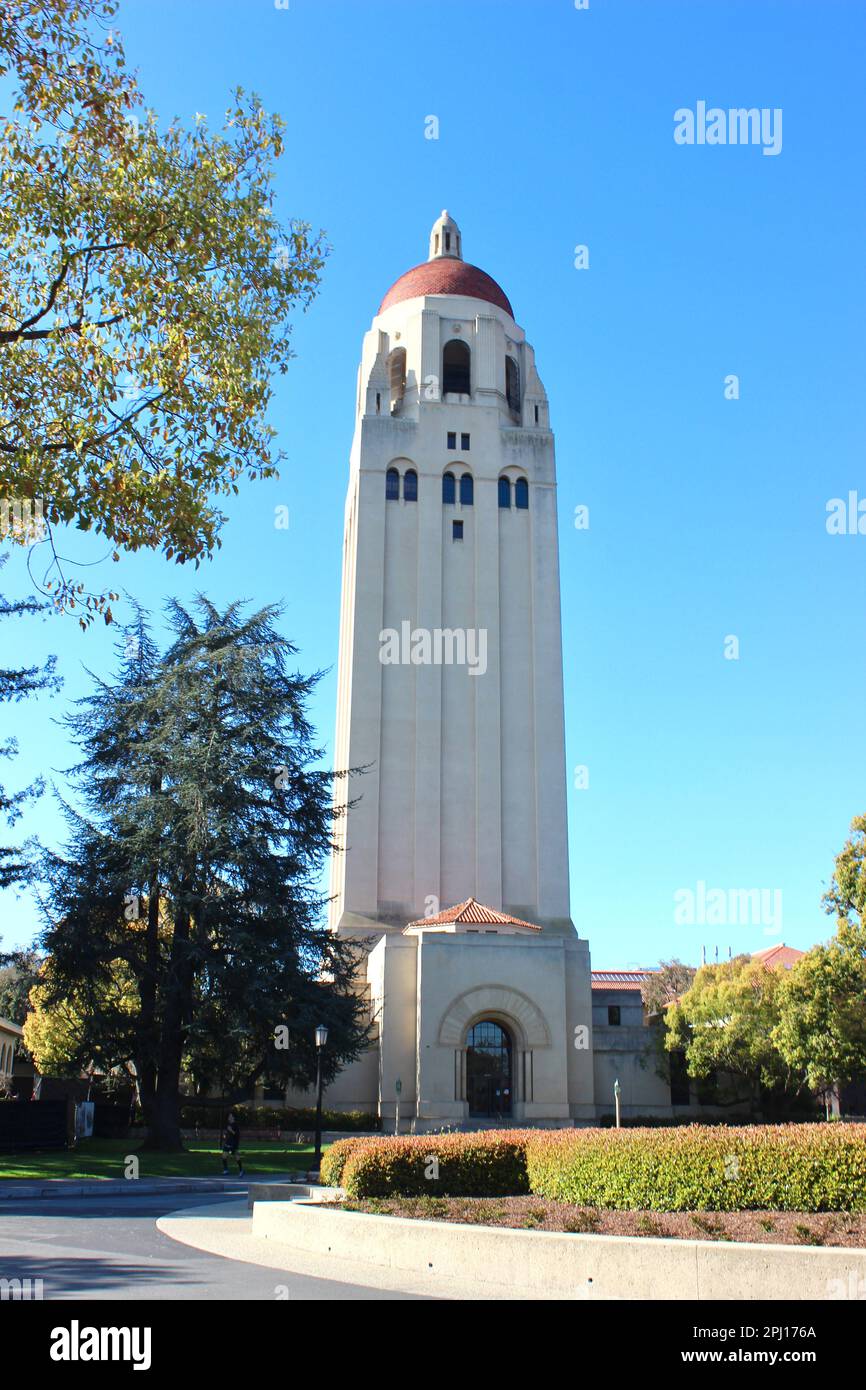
column 231, row 1136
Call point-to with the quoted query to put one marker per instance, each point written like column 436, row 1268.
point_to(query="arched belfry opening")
column 489, row 1070
column 456, row 368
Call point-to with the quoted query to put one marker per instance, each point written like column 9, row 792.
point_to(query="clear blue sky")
column 707, row 516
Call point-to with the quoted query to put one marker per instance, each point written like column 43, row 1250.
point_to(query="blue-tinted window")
column 410, row 486
column 504, row 492
column 457, row 530
column 392, row 485
column 467, row 495
column 449, row 490
column 521, row 494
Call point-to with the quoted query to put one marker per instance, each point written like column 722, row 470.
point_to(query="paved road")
column 105, row 1249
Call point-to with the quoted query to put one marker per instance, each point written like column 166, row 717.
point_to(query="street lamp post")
column 321, row 1039
column 616, row 1090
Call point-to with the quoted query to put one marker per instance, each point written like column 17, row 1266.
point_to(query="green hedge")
column 696, row 1168
column 335, row 1158
column 457, row 1165
column 704, row 1168
column 251, row 1117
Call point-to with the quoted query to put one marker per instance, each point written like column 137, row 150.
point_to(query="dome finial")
column 445, row 239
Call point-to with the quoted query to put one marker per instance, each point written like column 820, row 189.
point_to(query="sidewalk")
column 21, row 1189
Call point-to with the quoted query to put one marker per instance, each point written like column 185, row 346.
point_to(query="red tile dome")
column 446, row 276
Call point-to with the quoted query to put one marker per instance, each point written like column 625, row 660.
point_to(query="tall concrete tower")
column 450, row 667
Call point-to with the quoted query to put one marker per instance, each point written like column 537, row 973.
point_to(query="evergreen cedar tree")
column 194, row 868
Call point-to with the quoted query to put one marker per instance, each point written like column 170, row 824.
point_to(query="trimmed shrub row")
column 704, row 1167
column 275, row 1117
column 457, row 1165
column 695, row 1168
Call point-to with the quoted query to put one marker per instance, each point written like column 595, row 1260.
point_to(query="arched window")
column 410, row 486
column 504, row 492
column 392, row 485
column 456, row 359
column 489, row 1071
column 467, row 494
column 512, row 384
column 449, row 491
column 521, row 494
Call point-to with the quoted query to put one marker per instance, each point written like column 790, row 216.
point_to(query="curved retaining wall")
column 567, row 1266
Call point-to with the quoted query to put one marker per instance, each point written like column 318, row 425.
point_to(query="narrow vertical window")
column 392, row 485
column 396, row 365
column 504, row 492
column 464, row 442
column 452, row 439
column 449, row 490
column 521, row 494
column 512, row 384
column 457, row 530
column 467, row 496
column 410, row 486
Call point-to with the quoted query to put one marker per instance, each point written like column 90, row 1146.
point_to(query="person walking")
column 231, row 1144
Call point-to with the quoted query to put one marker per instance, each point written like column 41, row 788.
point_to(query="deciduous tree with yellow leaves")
column 146, row 283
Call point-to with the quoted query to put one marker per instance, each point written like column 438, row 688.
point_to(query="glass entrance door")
column 489, row 1083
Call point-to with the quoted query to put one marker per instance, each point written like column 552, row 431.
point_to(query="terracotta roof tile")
column 619, row 979
column 776, row 957
column 446, row 276
column 474, row 913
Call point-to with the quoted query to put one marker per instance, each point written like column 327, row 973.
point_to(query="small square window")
column 464, row 441
column 613, row 1015
column 452, row 439
column 457, row 530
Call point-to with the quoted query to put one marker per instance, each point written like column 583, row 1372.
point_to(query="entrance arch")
column 489, row 1070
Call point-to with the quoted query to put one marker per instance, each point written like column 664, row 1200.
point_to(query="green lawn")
column 106, row 1158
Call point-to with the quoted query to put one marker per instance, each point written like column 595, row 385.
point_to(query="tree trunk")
column 147, row 1033
column 165, row 1132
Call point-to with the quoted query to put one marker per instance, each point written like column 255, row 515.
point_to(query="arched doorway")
column 489, row 1070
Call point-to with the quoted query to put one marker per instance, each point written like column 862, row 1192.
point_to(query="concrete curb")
column 563, row 1265
column 292, row 1190
column 14, row 1189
